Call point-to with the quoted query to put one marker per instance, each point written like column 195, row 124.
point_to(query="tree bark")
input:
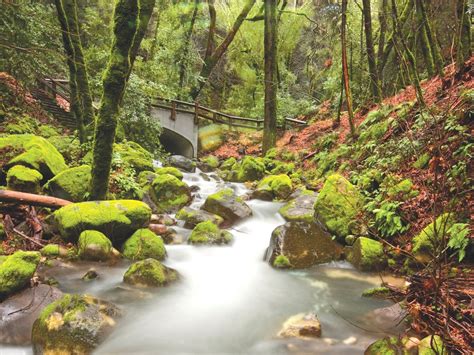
column 373, row 74
column 345, row 69
column 423, row 39
column 383, row 33
column 23, row 198
column 145, row 12
column 212, row 30
column 432, row 39
column 271, row 82
column 464, row 50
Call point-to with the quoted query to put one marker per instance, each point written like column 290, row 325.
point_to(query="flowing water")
column 230, row 301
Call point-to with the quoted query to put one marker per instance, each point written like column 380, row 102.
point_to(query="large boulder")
column 149, row 273
column 133, row 155
column 71, row 184
column 209, row 233
column 16, row 271
column 182, row 163
column 338, row 206
column 251, row 169
column 74, row 324
column 33, row 152
column 209, row 163
column 144, row 244
column 367, row 254
column 169, row 193
column 169, row 170
column 300, row 208
column 94, row 246
column 192, row 217
column 117, row 219
column 228, row 205
column 301, row 245
column 389, row 346
column 278, row 186
column 301, row 326
column 21, row 178
column 424, row 244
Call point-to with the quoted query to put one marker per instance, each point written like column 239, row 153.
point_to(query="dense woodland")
column 358, row 121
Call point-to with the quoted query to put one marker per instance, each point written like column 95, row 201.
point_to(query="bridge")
column 180, row 120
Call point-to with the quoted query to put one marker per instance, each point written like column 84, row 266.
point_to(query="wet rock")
column 20, row 178
column 182, row 163
column 228, row 205
column 163, row 219
column 208, row 163
column 302, row 244
column 94, row 246
column 71, row 184
column 133, row 155
column 173, row 238
column 90, row 275
column 388, row 346
column 193, row 217
column 74, row 324
column 169, row 170
column 54, row 251
column 367, row 255
column 144, row 244
column 300, row 208
column 159, row 229
column 301, row 326
column 149, row 273
column 279, row 186
column 18, row 313
column 250, row 169
column 377, row 292
column 208, row 233
column 169, row 193
column 16, row 271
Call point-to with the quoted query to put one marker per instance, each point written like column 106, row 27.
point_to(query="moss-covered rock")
column 192, row 217
column 367, row 255
column 279, row 186
column 338, row 206
column 301, row 207
column 424, row 244
column 21, row 178
column 71, row 184
column 117, row 219
column 301, row 326
column 33, row 152
column 228, row 164
column 134, row 155
column 149, row 273
column 16, row 271
column 182, row 163
column 94, row 246
column 209, row 163
column 169, row 193
column 54, row 251
column 432, row 345
column 169, row 170
column 251, row 169
column 74, row 324
column 377, row 292
column 302, row 244
column 228, row 205
column 388, row 346
column 208, row 233
column 144, row 244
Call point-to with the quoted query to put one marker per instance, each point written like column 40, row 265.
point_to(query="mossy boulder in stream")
column 302, row 244
column 388, row 346
column 71, row 184
column 367, row 255
column 117, row 219
column 21, row 178
column 228, row 205
column 169, row 170
column 134, row 156
column 278, row 186
column 209, row 163
column 144, row 244
column 94, row 246
column 149, row 273
column 54, row 251
column 338, row 205
column 301, row 207
column 208, row 233
column 16, row 271
column 74, row 324
column 192, row 217
column 182, row 163
column 169, row 193
column 251, row 169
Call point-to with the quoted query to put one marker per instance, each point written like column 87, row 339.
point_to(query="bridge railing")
column 55, row 87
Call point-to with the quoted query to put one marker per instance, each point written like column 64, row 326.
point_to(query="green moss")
column 432, row 345
column 70, row 184
column 422, row 161
column 16, row 271
column 424, row 244
column 367, row 254
column 169, row 193
column 280, row 185
column 251, row 169
column 117, row 219
column 94, row 245
column 144, row 244
column 208, row 233
column 194, row 217
column 149, row 272
column 387, row 346
column 20, row 178
column 51, row 250
column 210, row 137
column 2, row 230
column 222, row 195
column 281, row 262
column 271, row 153
column 282, row 168
column 134, row 156
column 402, row 191
column 338, row 206
column 211, row 161
column 170, row 171
column 377, row 292
column 228, row 164
column 146, row 178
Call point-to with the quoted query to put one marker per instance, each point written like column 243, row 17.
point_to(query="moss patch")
column 281, row 262
column 279, row 185
column 16, row 271
column 367, row 255
column 169, row 193
column 208, row 233
column 144, row 244
column 251, row 169
column 95, row 246
column 20, row 178
column 70, row 184
column 149, row 273
column 133, row 155
column 169, row 170
column 193, row 217
column 424, row 243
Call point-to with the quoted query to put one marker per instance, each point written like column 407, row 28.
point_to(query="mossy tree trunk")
column 373, row 73
column 345, row 69
column 383, row 33
column 463, row 50
column 422, row 37
column 433, row 41
column 271, row 82
column 128, row 18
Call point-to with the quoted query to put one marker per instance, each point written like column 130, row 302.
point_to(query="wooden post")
column 173, row 110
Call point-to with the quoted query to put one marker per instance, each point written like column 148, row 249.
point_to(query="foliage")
column 459, row 239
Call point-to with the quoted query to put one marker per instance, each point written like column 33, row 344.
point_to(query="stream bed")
column 229, row 300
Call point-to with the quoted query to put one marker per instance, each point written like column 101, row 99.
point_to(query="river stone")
column 71, row 184
column 228, row 205
column 16, row 271
column 182, row 163
column 301, row 207
column 279, row 187
column 149, row 273
column 193, row 217
column 74, row 324
column 144, row 244
column 169, row 193
column 209, row 233
column 94, row 246
column 389, row 346
column 367, row 254
column 301, row 245
column 18, row 313
column 301, row 326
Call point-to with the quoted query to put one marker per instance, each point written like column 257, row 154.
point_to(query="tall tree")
column 271, row 81
column 373, row 73
column 464, row 50
column 128, row 17
column 383, row 33
column 211, row 61
column 345, row 69
column 433, row 41
column 423, row 39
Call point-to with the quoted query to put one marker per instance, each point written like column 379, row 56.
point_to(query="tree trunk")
column 374, row 78
column 345, row 69
column 126, row 25
column 217, row 54
column 23, row 198
column 212, row 30
column 464, row 50
column 271, row 82
column 381, row 45
column 423, row 39
column 432, row 39
column 145, row 12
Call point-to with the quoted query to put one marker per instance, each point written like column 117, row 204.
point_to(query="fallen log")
column 23, row 198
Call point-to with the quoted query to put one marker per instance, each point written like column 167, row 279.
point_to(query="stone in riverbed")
column 169, row 193
column 388, row 346
column 144, row 244
column 169, row 170
column 74, row 324
column 301, row 207
column 302, row 244
column 367, row 254
column 20, row 178
column 182, row 163
column 250, row 169
column 278, row 186
column 94, row 246
column 301, row 326
column 208, row 233
column 149, row 273
column 228, row 205
column 193, row 217
column 71, row 184
column 16, row 271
